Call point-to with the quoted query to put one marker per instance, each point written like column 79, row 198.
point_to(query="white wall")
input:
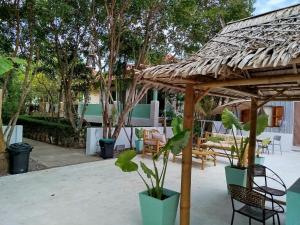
column 17, row 135
column 94, row 134
column 94, row 98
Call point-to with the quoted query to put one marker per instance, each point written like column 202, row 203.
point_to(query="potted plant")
column 139, row 143
column 236, row 173
column 264, row 144
column 158, row 204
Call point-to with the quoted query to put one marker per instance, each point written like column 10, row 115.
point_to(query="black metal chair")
column 270, row 184
column 253, row 205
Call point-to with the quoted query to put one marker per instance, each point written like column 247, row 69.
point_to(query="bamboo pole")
column 185, row 202
column 252, row 81
column 252, row 135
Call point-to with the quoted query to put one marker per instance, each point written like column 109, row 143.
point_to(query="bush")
column 51, row 130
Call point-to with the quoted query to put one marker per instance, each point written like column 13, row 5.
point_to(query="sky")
column 262, row 6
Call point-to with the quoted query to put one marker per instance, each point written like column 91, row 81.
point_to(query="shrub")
column 50, row 130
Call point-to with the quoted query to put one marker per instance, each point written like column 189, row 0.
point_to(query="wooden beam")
column 279, row 93
column 252, row 135
column 186, row 170
column 252, row 81
column 162, row 84
column 243, row 92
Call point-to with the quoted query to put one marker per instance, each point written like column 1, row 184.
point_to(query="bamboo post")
column 252, row 135
column 187, row 157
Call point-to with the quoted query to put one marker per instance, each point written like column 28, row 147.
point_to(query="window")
column 275, row 115
column 245, row 115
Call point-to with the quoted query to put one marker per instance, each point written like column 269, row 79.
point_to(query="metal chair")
column 271, row 184
column 276, row 141
column 264, row 145
column 253, row 205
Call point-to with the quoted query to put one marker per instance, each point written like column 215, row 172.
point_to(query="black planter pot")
column 107, row 148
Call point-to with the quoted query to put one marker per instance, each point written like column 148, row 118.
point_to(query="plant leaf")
column 125, row 163
column 178, row 142
column 5, row 65
column 18, row 61
column 261, row 124
column 229, row 119
column 177, row 125
column 147, row 171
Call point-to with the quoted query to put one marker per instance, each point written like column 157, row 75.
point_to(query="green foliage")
column 139, row 133
column 5, row 65
column 230, row 121
column 265, row 142
column 125, row 162
column 215, row 139
column 262, row 123
column 156, row 178
column 177, row 125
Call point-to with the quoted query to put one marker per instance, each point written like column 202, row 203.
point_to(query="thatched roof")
column 261, row 46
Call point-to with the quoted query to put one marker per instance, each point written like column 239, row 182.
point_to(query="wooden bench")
column 201, row 154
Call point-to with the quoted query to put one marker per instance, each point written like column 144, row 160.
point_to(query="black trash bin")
column 107, row 148
column 19, row 157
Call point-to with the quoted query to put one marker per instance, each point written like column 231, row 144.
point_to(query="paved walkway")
column 98, row 193
column 46, row 155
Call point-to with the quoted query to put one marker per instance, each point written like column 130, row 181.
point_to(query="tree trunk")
column 2, row 140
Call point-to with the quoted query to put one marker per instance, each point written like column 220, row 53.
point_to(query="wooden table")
column 204, row 155
column 211, row 146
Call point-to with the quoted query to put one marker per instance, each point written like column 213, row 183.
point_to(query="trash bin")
column 107, row 148
column 19, row 157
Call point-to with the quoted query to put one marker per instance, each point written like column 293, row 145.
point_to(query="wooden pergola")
column 255, row 58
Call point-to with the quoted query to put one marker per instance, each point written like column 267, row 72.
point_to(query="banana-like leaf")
column 18, row 61
column 177, row 125
column 147, row 171
column 229, row 119
column 178, row 142
column 125, row 163
column 5, row 65
column 261, row 124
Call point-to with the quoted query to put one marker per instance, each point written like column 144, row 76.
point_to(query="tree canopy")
column 54, row 38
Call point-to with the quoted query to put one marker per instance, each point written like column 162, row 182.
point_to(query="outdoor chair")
column 277, row 141
column 264, row 145
column 252, row 204
column 267, row 182
column 153, row 141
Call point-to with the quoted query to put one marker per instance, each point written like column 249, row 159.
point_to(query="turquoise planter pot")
column 139, row 145
column 259, row 160
column 236, row 176
column 159, row 212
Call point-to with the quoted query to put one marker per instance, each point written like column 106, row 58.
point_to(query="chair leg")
column 278, row 219
column 232, row 218
column 249, row 221
column 280, row 149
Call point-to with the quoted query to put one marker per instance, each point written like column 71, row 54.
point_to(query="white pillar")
column 154, row 113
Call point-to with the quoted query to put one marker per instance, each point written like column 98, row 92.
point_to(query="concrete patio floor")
column 98, row 193
column 56, row 156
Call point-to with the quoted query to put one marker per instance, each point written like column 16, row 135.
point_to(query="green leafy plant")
column 230, row 121
column 264, row 144
column 215, row 139
column 154, row 179
column 139, row 133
